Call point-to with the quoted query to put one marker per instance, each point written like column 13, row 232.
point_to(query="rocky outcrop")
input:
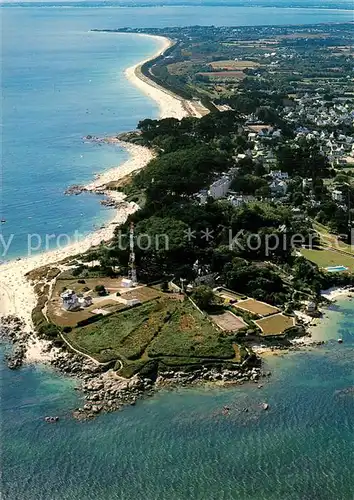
column 74, row 364
column 12, row 331
column 105, row 392
column 75, row 190
column 108, row 393
column 221, row 375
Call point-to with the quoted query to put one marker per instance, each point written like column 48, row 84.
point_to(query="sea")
column 61, row 82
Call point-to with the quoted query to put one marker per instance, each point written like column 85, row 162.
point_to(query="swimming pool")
column 335, row 269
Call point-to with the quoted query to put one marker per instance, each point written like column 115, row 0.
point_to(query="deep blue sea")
column 179, row 446
column 61, row 82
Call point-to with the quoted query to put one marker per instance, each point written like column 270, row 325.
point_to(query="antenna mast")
column 132, row 267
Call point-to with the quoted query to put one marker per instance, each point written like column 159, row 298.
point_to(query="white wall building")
column 220, row 187
column 126, row 283
column 70, row 300
column 239, row 200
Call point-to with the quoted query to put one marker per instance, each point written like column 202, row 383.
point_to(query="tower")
column 132, row 268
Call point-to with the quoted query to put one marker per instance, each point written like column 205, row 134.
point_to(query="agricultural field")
column 164, row 330
column 275, row 324
column 233, row 65
column 254, row 306
column 228, row 321
column 224, row 75
column 328, row 258
column 125, row 334
column 190, row 334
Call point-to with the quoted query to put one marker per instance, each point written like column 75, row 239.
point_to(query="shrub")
column 67, row 329
column 48, row 330
column 100, row 289
column 77, row 271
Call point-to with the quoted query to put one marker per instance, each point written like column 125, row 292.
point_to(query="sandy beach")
column 16, row 293
column 171, row 105
column 335, row 292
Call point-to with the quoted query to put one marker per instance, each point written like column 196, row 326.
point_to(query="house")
column 70, row 300
column 297, row 213
column 242, row 199
column 202, row 196
column 278, row 175
column 220, row 187
column 311, row 307
column 278, row 188
column 86, row 301
column 127, row 283
column 306, row 183
column 337, row 195
column 128, row 302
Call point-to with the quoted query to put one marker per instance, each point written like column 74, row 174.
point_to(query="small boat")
column 3, row 221
column 340, row 341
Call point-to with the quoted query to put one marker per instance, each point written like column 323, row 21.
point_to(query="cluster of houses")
column 221, row 189
column 71, row 301
column 316, row 111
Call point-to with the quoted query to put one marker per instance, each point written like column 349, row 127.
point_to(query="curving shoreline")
column 17, row 296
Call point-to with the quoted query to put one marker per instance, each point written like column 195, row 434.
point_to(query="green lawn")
column 329, row 239
column 326, row 258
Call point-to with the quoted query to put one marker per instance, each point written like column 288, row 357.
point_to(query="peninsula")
column 233, row 215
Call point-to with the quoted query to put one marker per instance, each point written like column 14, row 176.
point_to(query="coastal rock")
column 75, row 190
column 12, row 330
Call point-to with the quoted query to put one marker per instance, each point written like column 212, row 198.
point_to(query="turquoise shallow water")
column 179, row 445
column 61, row 82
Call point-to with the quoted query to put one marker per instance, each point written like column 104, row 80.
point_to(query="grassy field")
column 275, row 325
column 256, row 307
column 161, row 330
column 190, row 334
column 124, row 334
column 326, row 258
column 329, row 239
